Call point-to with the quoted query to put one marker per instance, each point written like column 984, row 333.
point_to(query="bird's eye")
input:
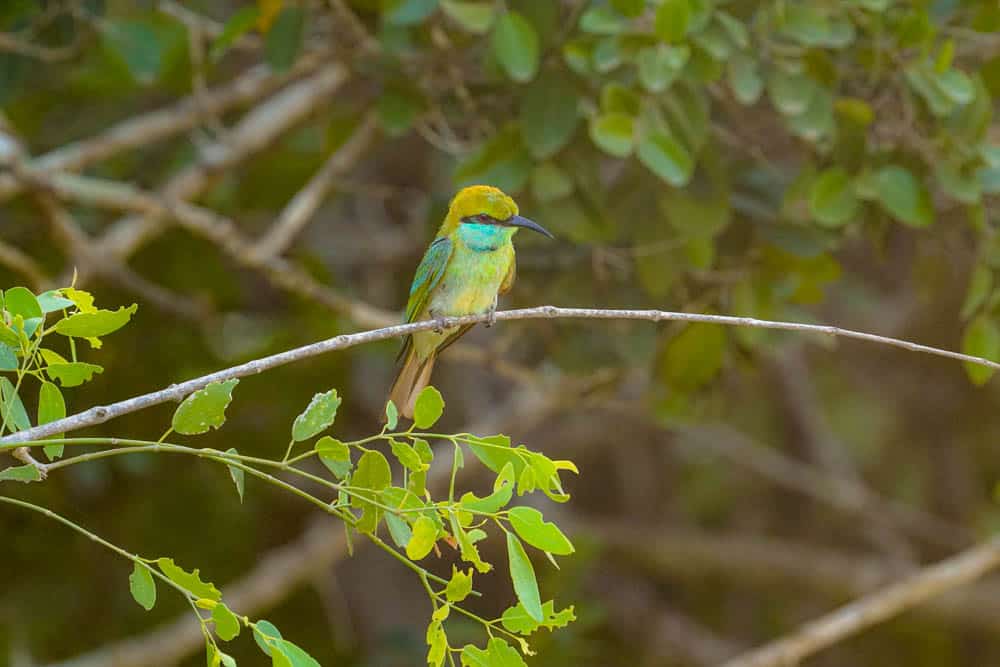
column 482, row 217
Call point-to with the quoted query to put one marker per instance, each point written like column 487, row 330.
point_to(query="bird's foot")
column 439, row 322
column 491, row 317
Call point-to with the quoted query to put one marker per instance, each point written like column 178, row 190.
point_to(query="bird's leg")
column 491, row 314
column 439, row 321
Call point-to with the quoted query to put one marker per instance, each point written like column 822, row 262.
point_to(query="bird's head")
column 486, row 205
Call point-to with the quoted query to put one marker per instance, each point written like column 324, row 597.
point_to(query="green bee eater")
column 467, row 266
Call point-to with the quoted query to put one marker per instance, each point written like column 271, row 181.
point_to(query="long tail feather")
column 413, row 376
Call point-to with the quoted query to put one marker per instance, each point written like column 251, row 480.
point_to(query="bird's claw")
column 491, row 317
column 439, row 324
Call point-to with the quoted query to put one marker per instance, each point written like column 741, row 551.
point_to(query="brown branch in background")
column 81, row 250
column 756, row 562
column 49, row 54
column 299, row 211
column 255, row 132
column 836, row 492
column 876, row 607
column 19, row 262
column 154, row 126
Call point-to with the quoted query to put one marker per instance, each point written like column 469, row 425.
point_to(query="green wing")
column 428, row 275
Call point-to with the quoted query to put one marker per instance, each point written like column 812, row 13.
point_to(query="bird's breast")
column 471, row 281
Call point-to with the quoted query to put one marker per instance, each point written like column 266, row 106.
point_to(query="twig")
column 875, row 608
column 48, row 54
column 101, row 414
column 297, row 213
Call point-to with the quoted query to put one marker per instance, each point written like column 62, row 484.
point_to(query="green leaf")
column 20, row 301
column 264, row 633
column 791, row 92
column 318, row 415
column 498, row 653
column 745, row 80
column 459, row 586
column 293, row 655
column 25, row 473
column 549, row 114
column 629, row 8
column 981, row 339
column 52, row 301
column 398, row 108
column 491, row 503
column 613, row 133
column 904, row 197
column 428, row 408
column 335, row 455
column 533, row 529
column 516, row 619
column 474, row 17
column 495, row 453
column 96, row 324
column 190, row 581
column 601, row 20
column 694, row 356
column 503, row 161
column 204, row 409
column 437, row 640
column 237, row 474
column 139, row 44
column 72, row 373
column 8, row 357
column 51, row 407
column 12, row 412
column 956, row 85
column 673, row 17
column 423, row 538
column 391, row 416
column 467, row 546
column 516, row 46
column 410, row 12
column 9, row 337
column 407, row 456
column 549, row 182
column 832, row 199
column 522, row 575
column 284, row 39
column 142, row 586
column 980, row 287
column 399, row 530
column 238, row 25
column 372, row 474
column 660, row 65
column 227, row 624
column 666, row 158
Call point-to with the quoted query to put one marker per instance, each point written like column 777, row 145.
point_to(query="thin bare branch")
column 101, row 414
column 874, row 608
column 297, row 213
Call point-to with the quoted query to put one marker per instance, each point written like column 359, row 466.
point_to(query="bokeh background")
column 829, row 161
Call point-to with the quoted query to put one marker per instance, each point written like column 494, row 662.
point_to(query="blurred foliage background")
column 833, row 161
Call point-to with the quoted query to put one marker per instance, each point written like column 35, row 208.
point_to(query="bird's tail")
column 413, row 376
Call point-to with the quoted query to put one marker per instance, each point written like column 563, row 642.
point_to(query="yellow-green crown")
column 477, row 199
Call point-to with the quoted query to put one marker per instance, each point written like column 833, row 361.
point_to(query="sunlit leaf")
column 142, row 586
column 522, row 574
column 318, row 415
column 204, row 409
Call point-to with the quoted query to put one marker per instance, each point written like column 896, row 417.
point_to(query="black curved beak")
column 519, row 221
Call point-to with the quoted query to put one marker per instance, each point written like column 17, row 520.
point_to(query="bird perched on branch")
column 467, row 266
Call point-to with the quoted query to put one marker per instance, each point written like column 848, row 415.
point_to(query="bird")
column 467, row 266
